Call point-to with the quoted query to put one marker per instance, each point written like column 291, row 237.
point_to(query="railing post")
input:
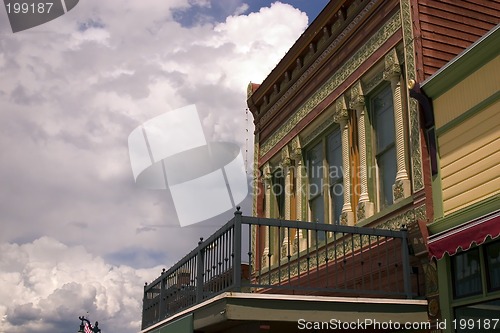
column 162, row 312
column 199, row 272
column 237, row 250
column 406, row 262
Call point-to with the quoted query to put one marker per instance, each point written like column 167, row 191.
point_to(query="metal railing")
column 288, row 257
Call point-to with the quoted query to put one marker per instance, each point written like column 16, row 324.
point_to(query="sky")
column 77, row 235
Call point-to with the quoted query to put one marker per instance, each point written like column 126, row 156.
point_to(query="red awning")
column 464, row 236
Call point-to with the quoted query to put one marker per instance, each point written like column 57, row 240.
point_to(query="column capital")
column 266, row 173
column 392, row 69
column 357, row 97
column 285, row 157
column 296, row 152
column 340, row 110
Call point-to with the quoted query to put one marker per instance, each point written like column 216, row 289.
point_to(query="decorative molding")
column 421, row 213
column 415, row 141
column 286, row 161
column 256, row 175
column 296, row 153
column 398, row 190
column 249, row 90
column 361, row 211
column 395, row 223
column 363, row 53
column 266, row 114
column 392, row 72
column 431, row 278
column 318, row 131
column 353, row 63
column 357, row 97
column 392, row 69
column 340, row 110
column 338, row 251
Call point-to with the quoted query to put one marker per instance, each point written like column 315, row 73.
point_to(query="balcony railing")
column 307, row 258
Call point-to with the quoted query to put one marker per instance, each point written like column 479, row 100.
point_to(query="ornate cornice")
column 363, row 53
column 269, row 112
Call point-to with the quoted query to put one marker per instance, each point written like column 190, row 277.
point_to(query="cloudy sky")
column 77, row 234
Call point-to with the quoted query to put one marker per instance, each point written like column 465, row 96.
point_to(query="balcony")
column 311, row 259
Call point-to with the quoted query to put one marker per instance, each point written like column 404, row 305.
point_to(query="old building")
column 465, row 95
column 344, row 162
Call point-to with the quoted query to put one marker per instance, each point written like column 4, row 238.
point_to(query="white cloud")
column 46, row 285
column 77, row 86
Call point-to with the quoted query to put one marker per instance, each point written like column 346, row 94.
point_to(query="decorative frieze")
column 384, row 33
column 337, row 251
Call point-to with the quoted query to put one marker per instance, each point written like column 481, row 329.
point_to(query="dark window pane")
column 317, row 210
column 385, row 151
column 466, row 270
column 337, row 196
column 387, row 167
column 334, row 159
column 278, row 190
column 478, row 318
column 318, row 215
column 334, row 156
column 315, row 170
column 493, row 265
column 384, row 119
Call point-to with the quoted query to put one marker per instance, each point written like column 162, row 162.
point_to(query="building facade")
column 464, row 235
column 344, row 182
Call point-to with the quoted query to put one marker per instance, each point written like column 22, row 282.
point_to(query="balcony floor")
column 270, row 313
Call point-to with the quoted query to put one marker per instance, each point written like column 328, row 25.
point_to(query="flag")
column 88, row 328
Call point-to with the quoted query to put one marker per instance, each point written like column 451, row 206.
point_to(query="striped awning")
column 464, row 236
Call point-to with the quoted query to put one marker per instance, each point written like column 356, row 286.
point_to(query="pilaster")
column 296, row 155
column 267, row 188
column 365, row 206
column 286, row 163
column 340, row 117
column 392, row 73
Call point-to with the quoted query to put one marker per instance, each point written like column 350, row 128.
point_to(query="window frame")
column 377, row 182
column 326, row 181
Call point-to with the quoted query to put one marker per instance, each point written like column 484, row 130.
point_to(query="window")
column 470, row 266
column 278, row 190
column 466, row 269
column 326, row 179
column 382, row 116
column 315, row 193
column 335, row 173
column 493, row 266
column 276, row 234
column 469, row 270
column 477, row 318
